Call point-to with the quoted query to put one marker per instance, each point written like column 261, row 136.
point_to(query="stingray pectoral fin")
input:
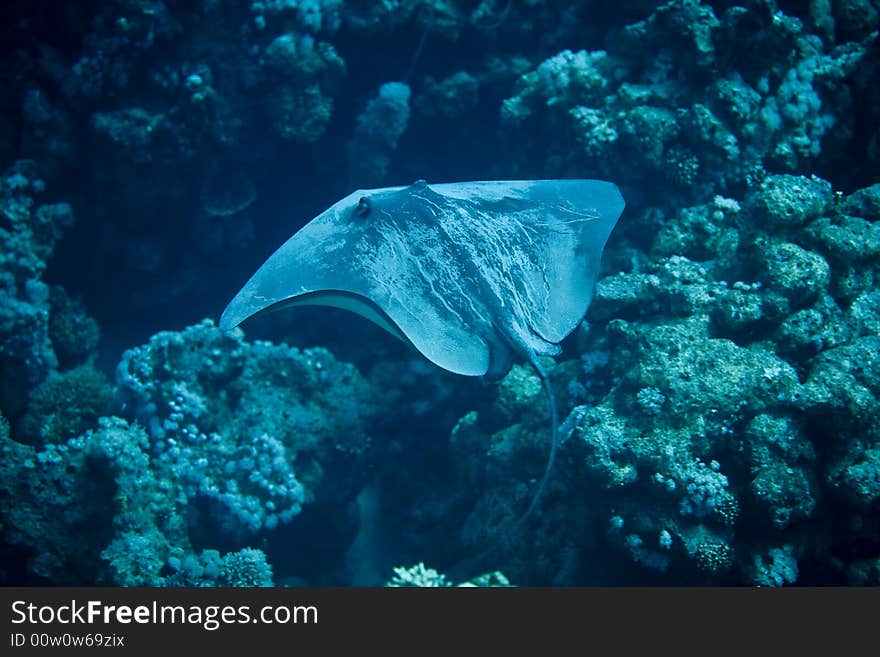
column 340, row 260
column 279, row 278
column 448, row 347
column 451, row 348
column 566, row 237
column 463, row 271
column 346, row 301
column 447, row 344
column 240, row 308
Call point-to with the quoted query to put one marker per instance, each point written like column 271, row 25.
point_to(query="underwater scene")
column 614, row 268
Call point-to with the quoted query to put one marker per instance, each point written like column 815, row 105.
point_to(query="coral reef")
column 723, row 421
column 231, row 439
column 683, row 99
column 29, row 326
column 421, row 576
column 379, row 126
column 65, row 405
column 233, row 423
column 718, row 406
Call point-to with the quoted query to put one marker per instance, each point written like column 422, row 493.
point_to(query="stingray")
column 473, row 275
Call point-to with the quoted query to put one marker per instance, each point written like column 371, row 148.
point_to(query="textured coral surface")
column 719, row 406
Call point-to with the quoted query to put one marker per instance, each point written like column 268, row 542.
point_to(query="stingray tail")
column 504, row 541
column 554, row 437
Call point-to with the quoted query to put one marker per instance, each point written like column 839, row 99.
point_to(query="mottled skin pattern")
column 482, row 267
column 471, row 274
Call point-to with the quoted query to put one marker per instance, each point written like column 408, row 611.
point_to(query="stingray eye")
column 363, row 207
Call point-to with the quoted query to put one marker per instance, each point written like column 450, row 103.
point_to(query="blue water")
column 718, row 405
